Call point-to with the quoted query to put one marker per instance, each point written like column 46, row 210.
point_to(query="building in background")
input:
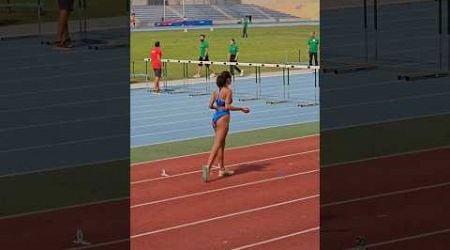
column 158, row 13
column 309, row 9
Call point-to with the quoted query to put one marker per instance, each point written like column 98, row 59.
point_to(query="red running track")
column 396, row 202
column 272, row 202
column 56, row 229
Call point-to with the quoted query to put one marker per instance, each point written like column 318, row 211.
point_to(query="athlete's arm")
column 228, row 106
column 212, row 100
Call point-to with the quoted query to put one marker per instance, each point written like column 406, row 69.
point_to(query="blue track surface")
column 62, row 108
column 173, row 117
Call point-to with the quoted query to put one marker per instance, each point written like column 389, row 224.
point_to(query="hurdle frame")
column 286, row 68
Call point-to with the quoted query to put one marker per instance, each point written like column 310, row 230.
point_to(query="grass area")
column 362, row 142
column 172, row 149
column 265, row 44
column 94, row 9
column 65, row 187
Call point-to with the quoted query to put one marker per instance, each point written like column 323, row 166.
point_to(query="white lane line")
column 65, row 208
column 382, row 195
column 413, row 237
column 390, row 100
column 383, row 122
column 18, row 94
column 49, row 77
column 207, row 117
column 344, row 163
column 231, row 165
column 225, row 188
column 199, row 110
column 250, row 121
column 234, row 132
column 63, row 167
column 145, row 105
column 225, row 216
column 64, row 104
column 80, row 61
column 65, row 143
column 97, row 118
column 233, row 148
column 108, row 243
column 313, row 229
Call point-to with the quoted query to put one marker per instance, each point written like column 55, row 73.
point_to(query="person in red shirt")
column 155, row 56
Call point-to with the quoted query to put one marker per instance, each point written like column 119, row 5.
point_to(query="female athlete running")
column 221, row 101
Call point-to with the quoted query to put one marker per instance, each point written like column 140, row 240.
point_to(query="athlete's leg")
column 221, row 153
column 221, row 131
column 62, row 24
column 156, row 84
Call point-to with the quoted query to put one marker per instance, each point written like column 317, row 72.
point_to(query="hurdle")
column 350, row 68
column 421, row 75
column 257, row 95
column 38, row 5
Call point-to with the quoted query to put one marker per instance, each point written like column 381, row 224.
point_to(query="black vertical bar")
column 38, row 17
column 84, row 15
column 146, row 70
column 440, row 17
column 134, row 74
column 288, row 81
column 164, row 73
column 448, row 18
column 366, row 39
column 315, row 86
column 256, row 81
column 260, row 85
column 284, row 83
column 448, row 35
column 375, row 14
column 207, row 78
column 440, row 33
column 80, row 22
column 187, row 76
column 365, row 14
column 375, row 23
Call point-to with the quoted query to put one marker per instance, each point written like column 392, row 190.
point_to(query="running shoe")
column 225, row 172
column 197, row 76
column 205, row 173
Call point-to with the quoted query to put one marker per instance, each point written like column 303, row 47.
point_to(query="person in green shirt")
column 204, row 56
column 245, row 28
column 233, row 53
column 313, row 48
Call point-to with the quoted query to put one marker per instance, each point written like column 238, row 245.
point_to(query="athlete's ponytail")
column 222, row 79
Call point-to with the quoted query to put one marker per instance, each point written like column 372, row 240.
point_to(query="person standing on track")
column 63, row 36
column 233, row 53
column 313, row 48
column 204, row 57
column 155, row 56
column 221, row 101
column 133, row 20
column 245, row 28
